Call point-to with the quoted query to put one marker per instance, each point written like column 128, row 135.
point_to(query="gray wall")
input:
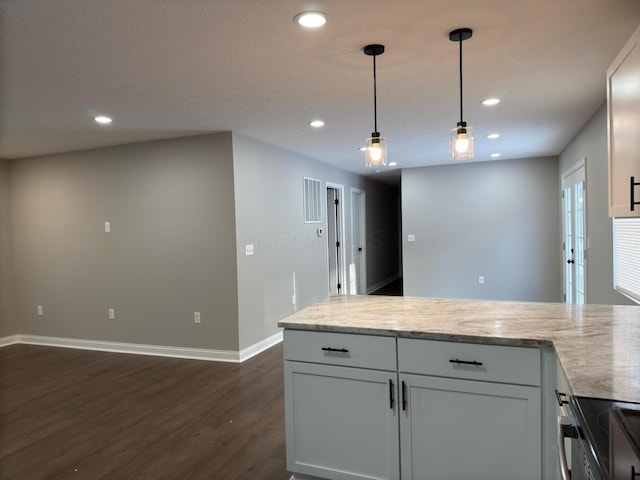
column 498, row 219
column 170, row 252
column 7, row 326
column 591, row 143
column 181, row 211
column 269, row 215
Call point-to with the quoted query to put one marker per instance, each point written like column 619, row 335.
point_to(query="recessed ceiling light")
column 393, row 164
column 493, row 136
column 316, row 123
column 495, row 155
column 103, row 120
column 310, row 19
column 491, row 101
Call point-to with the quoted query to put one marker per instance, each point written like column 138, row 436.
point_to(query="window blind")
column 626, row 257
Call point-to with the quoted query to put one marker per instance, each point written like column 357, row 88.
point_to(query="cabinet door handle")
column 404, row 396
column 465, row 362
column 391, row 396
column 335, row 350
column 560, row 396
column 634, row 184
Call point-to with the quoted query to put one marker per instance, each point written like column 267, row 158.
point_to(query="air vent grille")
column 312, row 200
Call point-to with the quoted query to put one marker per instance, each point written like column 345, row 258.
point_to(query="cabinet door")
column 341, row 422
column 452, row 429
column 623, row 108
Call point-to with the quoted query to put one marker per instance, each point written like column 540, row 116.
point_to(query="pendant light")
column 375, row 151
column 462, row 135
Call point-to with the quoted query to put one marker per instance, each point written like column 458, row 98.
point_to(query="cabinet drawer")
column 493, row 363
column 366, row 351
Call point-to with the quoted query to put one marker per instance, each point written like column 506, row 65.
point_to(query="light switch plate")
column 248, row 249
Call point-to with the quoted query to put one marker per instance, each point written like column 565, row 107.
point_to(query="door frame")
column 580, row 165
column 341, row 238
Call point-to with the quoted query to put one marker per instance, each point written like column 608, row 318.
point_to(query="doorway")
column 574, row 230
column 335, row 239
column 358, row 265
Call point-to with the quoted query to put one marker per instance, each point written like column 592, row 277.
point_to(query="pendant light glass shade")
column 375, row 153
column 375, row 148
column 461, row 142
column 461, row 138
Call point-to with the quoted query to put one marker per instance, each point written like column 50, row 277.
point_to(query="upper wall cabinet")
column 623, row 124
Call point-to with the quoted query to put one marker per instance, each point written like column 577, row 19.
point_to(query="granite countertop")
column 598, row 345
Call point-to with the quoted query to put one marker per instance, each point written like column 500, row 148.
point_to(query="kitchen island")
column 597, row 345
column 498, row 380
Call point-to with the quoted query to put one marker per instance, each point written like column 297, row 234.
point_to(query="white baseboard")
column 140, row 349
column 379, row 285
column 10, row 340
column 261, row 346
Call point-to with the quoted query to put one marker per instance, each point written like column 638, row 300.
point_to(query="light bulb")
column 375, row 152
column 462, row 143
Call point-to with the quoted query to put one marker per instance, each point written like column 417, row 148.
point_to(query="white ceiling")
column 169, row 68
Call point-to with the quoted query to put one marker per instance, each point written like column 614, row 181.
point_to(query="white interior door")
column 357, row 267
column 335, row 239
column 574, row 233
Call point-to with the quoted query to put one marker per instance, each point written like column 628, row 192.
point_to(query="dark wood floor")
column 74, row 414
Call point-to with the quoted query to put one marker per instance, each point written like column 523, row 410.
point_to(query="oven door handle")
column 566, row 429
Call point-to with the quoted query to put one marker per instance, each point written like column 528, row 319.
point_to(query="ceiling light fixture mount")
column 489, row 102
column 375, row 153
column 462, row 135
column 310, row 19
column 102, row 119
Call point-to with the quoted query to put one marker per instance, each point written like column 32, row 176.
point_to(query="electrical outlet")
column 481, row 279
column 248, row 250
column 107, row 227
column 196, row 317
column 112, row 314
column 293, row 299
column 39, row 310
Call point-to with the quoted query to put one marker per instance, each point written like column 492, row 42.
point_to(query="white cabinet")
column 453, row 429
column 469, row 411
column 623, row 121
column 428, row 410
column 341, row 421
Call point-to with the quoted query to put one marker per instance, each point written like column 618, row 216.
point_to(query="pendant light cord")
column 461, row 79
column 375, row 97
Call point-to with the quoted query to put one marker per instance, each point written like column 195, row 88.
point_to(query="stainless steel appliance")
column 605, row 439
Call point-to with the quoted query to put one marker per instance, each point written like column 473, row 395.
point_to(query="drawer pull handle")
column 465, row 362
column 560, row 396
column 335, row 350
column 391, row 400
column 404, row 396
